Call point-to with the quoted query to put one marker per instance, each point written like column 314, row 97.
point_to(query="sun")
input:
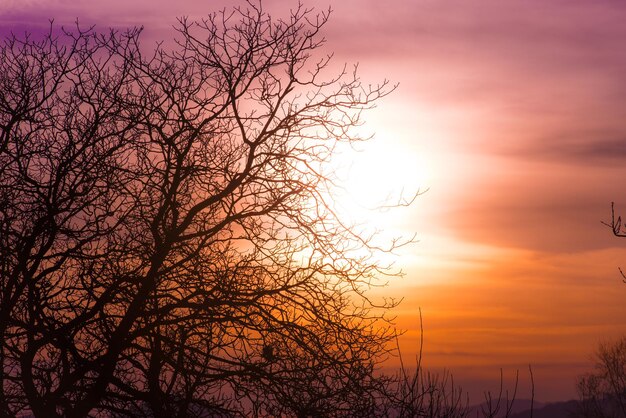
column 374, row 177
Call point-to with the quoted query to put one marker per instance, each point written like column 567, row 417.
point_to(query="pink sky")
column 514, row 112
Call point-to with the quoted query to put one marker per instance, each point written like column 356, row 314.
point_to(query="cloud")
column 557, row 211
column 602, row 148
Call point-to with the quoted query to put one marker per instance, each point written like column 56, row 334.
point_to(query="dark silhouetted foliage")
column 603, row 391
column 168, row 240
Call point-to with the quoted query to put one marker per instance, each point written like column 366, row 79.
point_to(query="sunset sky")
column 512, row 115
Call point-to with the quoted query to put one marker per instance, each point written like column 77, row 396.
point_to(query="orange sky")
column 512, row 114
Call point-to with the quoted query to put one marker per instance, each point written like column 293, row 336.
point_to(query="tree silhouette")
column 617, row 225
column 603, row 391
column 168, row 244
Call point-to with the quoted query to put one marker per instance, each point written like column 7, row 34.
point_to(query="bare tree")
column 168, row 240
column 603, row 392
column 618, row 227
column 168, row 244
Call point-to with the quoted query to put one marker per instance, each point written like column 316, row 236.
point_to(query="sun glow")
column 375, row 177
